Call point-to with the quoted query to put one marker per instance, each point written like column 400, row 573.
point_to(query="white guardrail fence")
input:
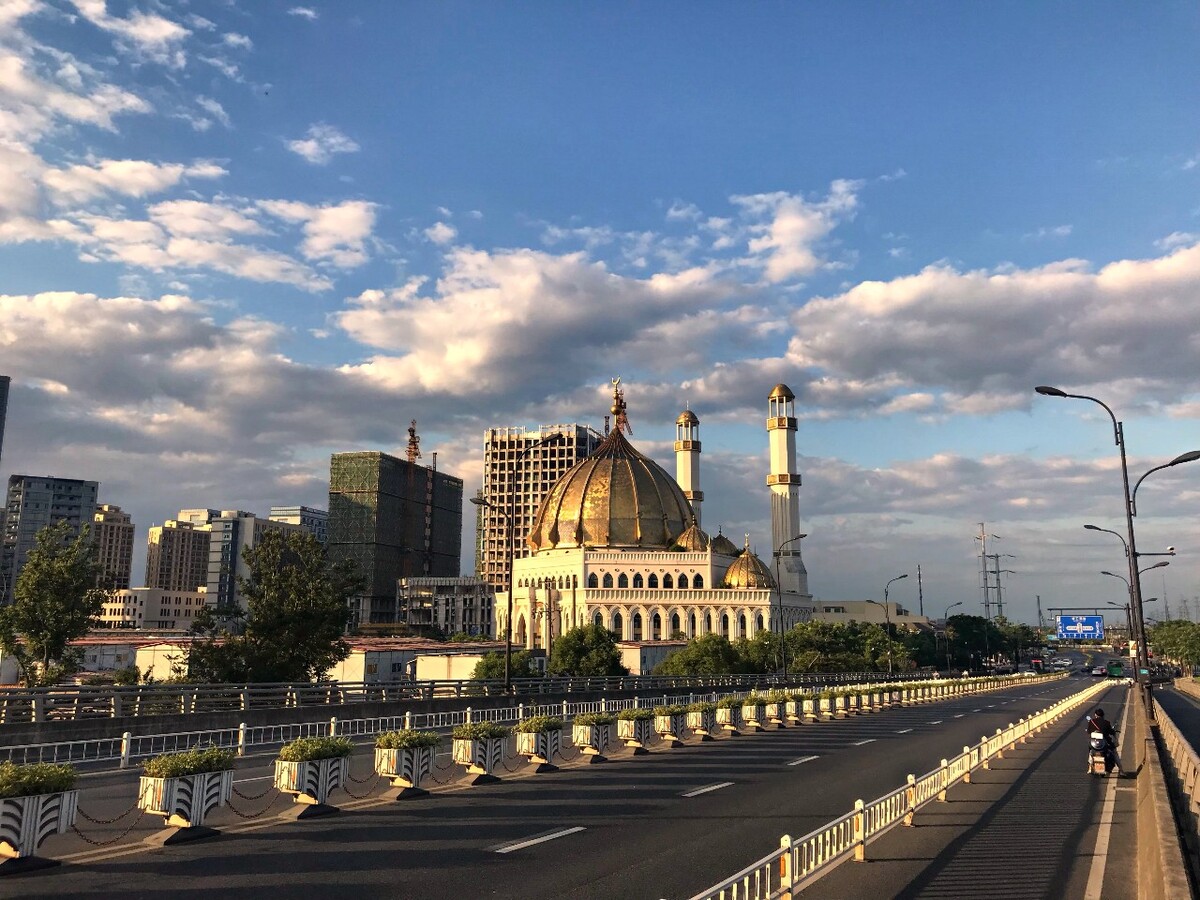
column 1185, row 767
column 800, row 861
column 122, row 752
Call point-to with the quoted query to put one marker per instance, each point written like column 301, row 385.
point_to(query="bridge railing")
column 1184, row 767
column 798, row 862
column 70, row 702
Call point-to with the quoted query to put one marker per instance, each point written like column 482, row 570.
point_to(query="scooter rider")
column 1097, row 723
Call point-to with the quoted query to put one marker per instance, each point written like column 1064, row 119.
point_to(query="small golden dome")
column 724, row 546
column 693, row 539
column 687, row 417
column 747, row 572
column 781, row 391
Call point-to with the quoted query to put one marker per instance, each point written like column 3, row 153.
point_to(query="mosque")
column 618, row 542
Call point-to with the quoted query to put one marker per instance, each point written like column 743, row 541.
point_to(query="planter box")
column 702, row 722
column 794, row 711
column 480, row 757
column 839, row 707
column 777, row 713
column 25, row 822
column 541, row 747
column 671, row 728
column 312, row 780
column 754, row 715
column 407, row 768
column 730, row 718
column 809, row 710
column 852, row 705
column 592, row 740
column 825, row 706
column 635, row 733
column 185, row 802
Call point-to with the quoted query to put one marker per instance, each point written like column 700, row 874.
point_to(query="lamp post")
column 945, row 625
column 1125, row 606
column 779, row 594
column 509, row 519
column 887, row 616
column 1141, row 637
column 1135, row 586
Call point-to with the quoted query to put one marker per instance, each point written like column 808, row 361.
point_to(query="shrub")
column 675, row 709
column 728, row 703
column 407, row 739
column 34, row 778
column 539, row 724
column 753, row 700
column 478, row 731
column 306, row 749
column 702, row 706
column 777, row 696
column 188, row 762
column 595, row 718
column 800, row 696
column 636, row 714
column 826, row 694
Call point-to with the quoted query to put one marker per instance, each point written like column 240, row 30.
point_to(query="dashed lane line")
column 540, row 839
column 801, row 760
column 938, row 722
column 904, row 731
column 704, row 790
column 861, row 743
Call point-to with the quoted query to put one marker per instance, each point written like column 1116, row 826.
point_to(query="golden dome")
column 781, row 391
column 748, row 571
column 615, row 498
column 693, row 539
column 724, row 546
column 687, row 417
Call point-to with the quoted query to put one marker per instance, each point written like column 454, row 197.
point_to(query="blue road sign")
column 1081, row 628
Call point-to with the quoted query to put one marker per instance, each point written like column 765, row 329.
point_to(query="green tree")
column 491, row 666
column 587, row 650
column 297, row 608
column 55, row 600
column 710, row 654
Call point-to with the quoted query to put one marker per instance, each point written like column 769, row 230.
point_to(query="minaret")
column 784, row 482
column 687, row 459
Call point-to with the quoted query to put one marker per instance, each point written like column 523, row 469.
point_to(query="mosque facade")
column 618, row 542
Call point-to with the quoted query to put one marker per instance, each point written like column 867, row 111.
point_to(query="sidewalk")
column 1033, row 826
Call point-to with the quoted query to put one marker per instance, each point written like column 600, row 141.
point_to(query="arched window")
column 656, row 628
column 692, row 631
column 607, row 580
column 637, row 580
column 618, row 626
column 668, row 582
column 741, row 625
column 758, row 623
column 574, row 581
column 593, row 581
column 708, row 623
column 637, row 626
column 598, row 620
column 561, row 583
column 652, row 581
column 683, row 584
column 725, row 624
column 622, row 580
column 698, row 582
column 675, row 629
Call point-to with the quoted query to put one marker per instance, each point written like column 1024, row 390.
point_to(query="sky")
column 236, row 238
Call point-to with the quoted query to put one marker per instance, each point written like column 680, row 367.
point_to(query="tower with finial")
column 620, row 416
column 413, row 452
column 784, row 482
column 687, row 458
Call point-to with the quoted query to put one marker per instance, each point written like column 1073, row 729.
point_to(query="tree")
column 55, row 600
column 587, row 650
column 710, row 654
column 491, row 666
column 297, row 608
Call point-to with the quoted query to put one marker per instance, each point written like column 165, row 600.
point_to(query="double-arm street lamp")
column 945, row 620
column 1125, row 606
column 1135, row 586
column 779, row 594
column 887, row 616
column 509, row 522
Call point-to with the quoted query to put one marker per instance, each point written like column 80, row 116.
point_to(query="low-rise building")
column 866, row 611
column 446, row 605
column 153, row 609
column 642, row 657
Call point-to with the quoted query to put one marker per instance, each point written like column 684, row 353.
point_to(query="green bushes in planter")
column 480, row 731
column 676, row 709
column 594, row 718
column 307, row 749
column 34, row 778
column 729, row 703
column 188, row 762
column 701, row 706
column 636, row 714
column 407, row 739
column 539, row 724
column 801, row 696
column 753, row 700
column 777, row 697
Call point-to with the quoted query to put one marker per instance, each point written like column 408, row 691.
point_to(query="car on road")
column 1099, row 671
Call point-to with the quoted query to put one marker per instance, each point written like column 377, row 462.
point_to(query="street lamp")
column 887, row 616
column 1190, row 456
column 779, row 594
column 945, row 620
column 509, row 519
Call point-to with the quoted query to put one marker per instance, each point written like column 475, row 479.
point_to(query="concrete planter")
column 809, row 710
column 407, row 768
column 635, row 733
column 702, row 722
column 839, row 707
column 777, row 713
column 825, row 707
column 730, row 719
column 852, row 705
column 541, row 747
column 311, row 781
column 184, row 803
column 25, row 822
column 671, row 728
column 592, row 740
column 794, row 711
column 754, row 715
column 481, row 757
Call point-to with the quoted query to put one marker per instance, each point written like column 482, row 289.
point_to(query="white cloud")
column 322, row 142
column 332, row 234
column 233, row 39
column 1177, row 239
column 214, row 109
column 1055, row 231
column 305, row 12
column 683, row 212
column 441, row 233
column 147, row 35
column 131, row 177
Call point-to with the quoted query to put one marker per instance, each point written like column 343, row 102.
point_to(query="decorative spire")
column 621, row 421
column 414, row 443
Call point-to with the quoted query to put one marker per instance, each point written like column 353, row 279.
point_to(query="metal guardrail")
column 83, row 702
column 801, row 861
column 1184, row 765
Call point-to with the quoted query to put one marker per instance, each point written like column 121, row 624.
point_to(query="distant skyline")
column 235, row 239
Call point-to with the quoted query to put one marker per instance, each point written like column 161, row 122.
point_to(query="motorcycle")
column 1101, row 758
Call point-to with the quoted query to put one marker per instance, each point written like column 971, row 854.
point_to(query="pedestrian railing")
column 800, row 861
column 1183, row 767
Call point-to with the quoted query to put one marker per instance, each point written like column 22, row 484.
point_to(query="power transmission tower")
column 1187, row 608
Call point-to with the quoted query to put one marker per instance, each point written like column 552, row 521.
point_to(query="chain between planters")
column 253, row 796
column 262, row 812
column 120, row 837
column 350, row 777
column 433, row 774
column 107, row 821
column 369, row 790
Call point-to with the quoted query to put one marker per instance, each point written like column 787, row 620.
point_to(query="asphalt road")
column 640, row 827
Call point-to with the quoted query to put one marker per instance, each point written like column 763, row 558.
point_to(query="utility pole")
column 920, row 593
column 983, row 568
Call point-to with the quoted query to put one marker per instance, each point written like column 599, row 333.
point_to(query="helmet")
column 1099, row 714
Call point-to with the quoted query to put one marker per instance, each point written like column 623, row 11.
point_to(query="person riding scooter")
column 1097, row 724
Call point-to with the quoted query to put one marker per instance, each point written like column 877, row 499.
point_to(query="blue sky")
column 235, row 238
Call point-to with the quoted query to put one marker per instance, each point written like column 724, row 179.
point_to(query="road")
column 642, row 827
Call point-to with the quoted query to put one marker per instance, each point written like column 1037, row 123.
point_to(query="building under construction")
column 396, row 519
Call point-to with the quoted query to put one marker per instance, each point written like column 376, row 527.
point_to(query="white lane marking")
column 259, row 778
column 904, row 731
column 977, row 710
column 960, row 715
column 521, row 845
column 801, row 760
column 860, row 743
column 704, row 790
column 1095, row 882
column 991, row 706
column 938, row 722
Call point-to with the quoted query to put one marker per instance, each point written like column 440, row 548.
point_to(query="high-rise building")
column 395, row 519
column 233, row 532
column 177, row 551
column 112, row 532
column 33, row 503
column 517, row 475
column 315, row 521
column 4, row 383
column 447, row 605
